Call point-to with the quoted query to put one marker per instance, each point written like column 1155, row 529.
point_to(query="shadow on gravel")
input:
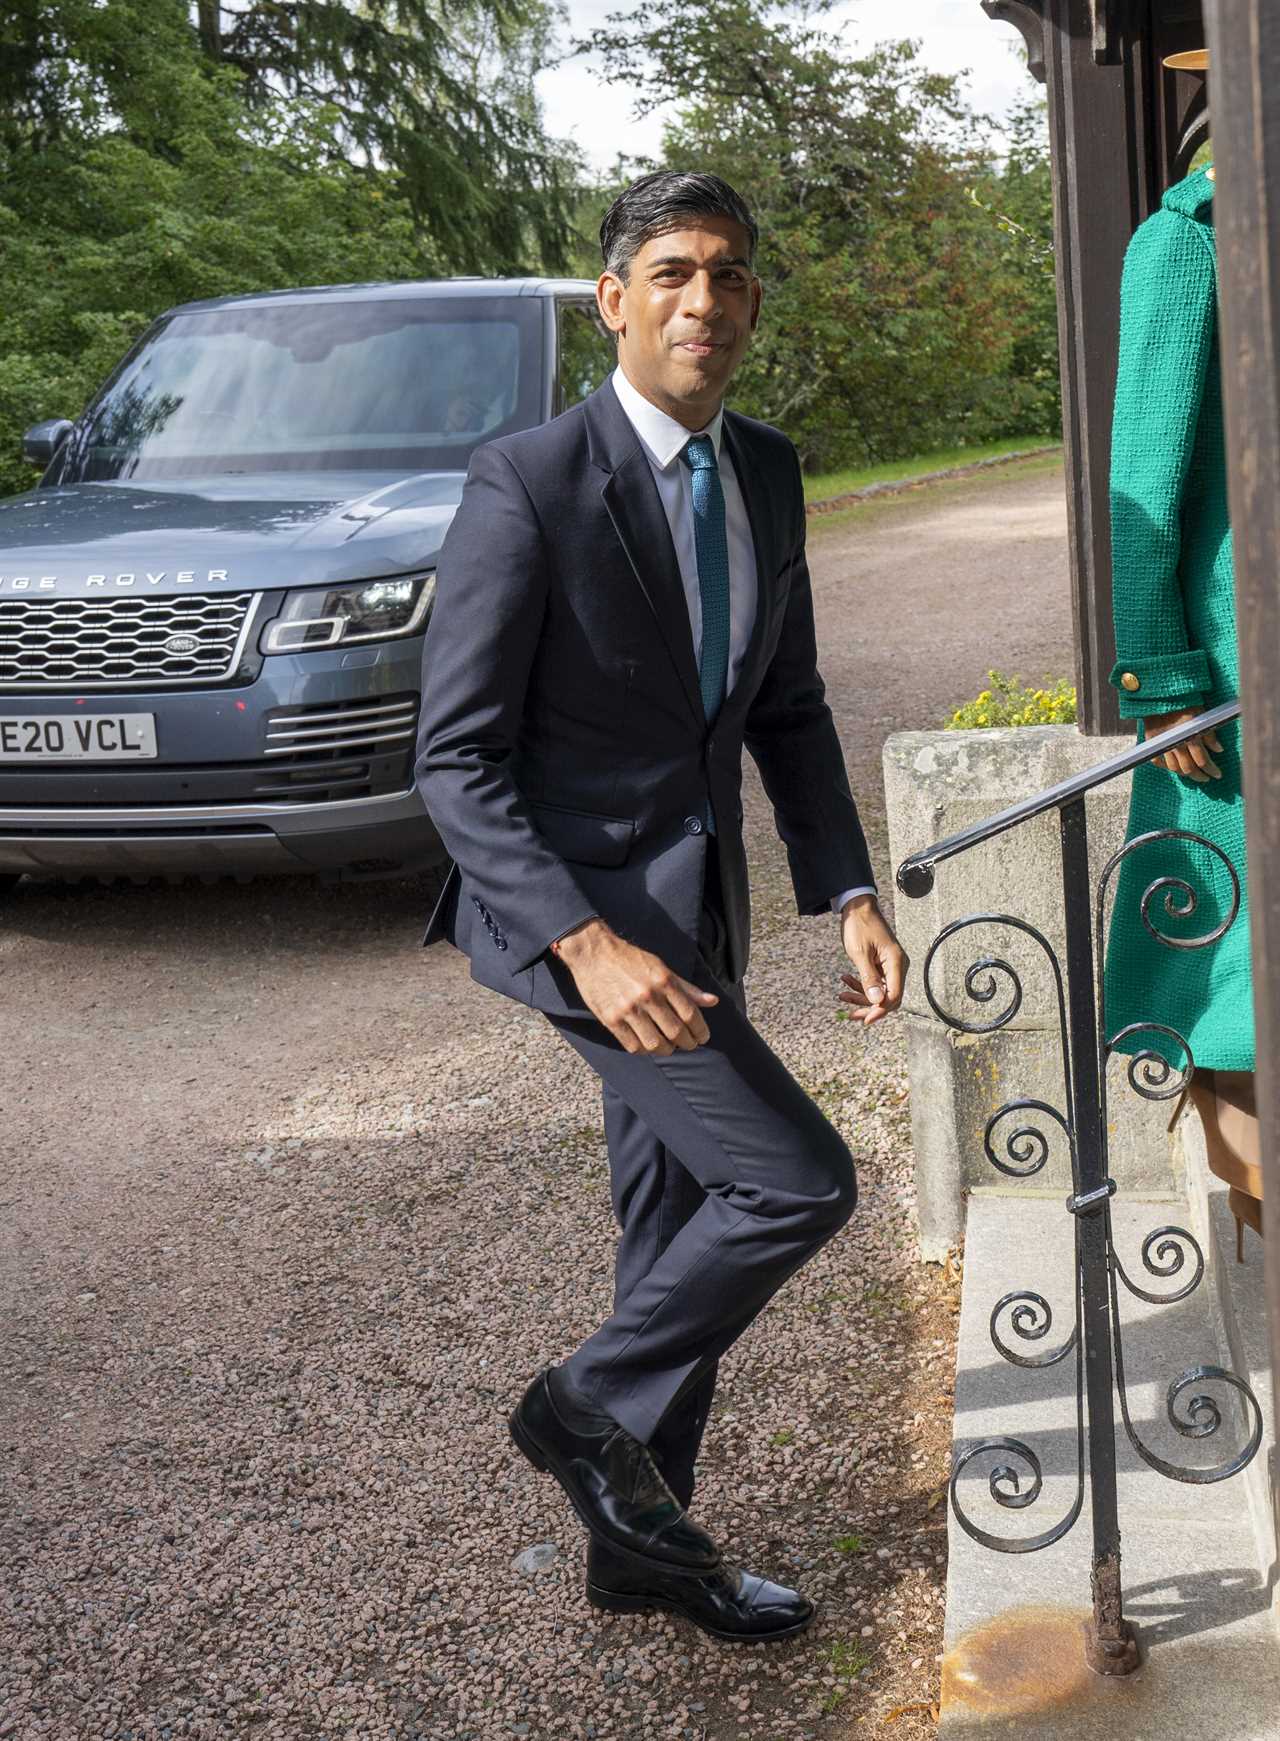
column 300, row 911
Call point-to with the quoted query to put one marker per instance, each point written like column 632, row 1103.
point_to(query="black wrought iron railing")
column 1096, row 1339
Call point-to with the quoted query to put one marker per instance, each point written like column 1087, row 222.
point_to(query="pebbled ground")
column 290, row 1211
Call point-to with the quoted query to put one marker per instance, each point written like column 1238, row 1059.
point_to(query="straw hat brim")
column 1195, row 60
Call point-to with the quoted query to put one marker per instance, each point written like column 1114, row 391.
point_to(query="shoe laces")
column 649, row 1482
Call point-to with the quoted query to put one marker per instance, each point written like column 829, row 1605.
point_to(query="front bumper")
column 356, row 837
column 307, row 768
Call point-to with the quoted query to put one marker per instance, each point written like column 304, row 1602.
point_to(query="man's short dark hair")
column 661, row 202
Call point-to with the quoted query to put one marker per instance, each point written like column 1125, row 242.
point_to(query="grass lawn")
column 823, row 485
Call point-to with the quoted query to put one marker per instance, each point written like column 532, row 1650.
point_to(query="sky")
column 957, row 36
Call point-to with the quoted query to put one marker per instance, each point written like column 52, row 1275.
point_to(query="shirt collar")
column 662, row 438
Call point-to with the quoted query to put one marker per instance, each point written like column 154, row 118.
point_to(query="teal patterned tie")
column 712, row 545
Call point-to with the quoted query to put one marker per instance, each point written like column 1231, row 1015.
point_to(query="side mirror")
column 41, row 442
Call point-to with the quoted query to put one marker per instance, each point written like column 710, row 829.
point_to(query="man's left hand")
column 880, row 963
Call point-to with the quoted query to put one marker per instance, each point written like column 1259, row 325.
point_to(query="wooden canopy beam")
column 1122, row 130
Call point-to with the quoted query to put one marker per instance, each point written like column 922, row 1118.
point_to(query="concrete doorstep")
column 1240, row 1303
column 1198, row 1573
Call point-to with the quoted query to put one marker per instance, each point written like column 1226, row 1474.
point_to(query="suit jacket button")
column 1130, row 682
column 692, row 825
column 501, row 942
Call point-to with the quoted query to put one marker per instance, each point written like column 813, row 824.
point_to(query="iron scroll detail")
column 1169, row 887
column 1031, row 1319
column 1016, row 1143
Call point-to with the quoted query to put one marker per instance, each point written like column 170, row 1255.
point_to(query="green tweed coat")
column 1174, row 601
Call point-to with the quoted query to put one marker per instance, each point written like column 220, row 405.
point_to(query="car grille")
column 102, row 643
column 344, row 749
column 357, row 749
column 330, row 729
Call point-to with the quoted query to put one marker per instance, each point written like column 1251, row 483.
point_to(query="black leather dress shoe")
column 728, row 1602
column 612, row 1482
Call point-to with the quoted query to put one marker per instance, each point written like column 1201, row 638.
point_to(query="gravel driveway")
column 292, row 1211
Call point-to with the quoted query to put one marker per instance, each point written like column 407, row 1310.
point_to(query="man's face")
column 685, row 315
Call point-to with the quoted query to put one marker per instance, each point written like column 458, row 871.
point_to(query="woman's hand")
column 1192, row 759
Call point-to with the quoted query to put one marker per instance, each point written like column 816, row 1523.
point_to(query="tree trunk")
column 209, row 14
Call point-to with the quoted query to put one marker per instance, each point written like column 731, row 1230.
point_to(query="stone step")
column 1194, row 1585
column 1239, row 1295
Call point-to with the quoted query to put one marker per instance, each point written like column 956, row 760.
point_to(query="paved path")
column 291, row 1210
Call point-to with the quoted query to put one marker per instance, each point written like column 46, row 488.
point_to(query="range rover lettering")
column 212, row 605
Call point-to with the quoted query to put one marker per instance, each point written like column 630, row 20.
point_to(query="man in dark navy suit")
column 622, row 603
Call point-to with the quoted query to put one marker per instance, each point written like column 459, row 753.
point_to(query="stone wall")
column 936, row 783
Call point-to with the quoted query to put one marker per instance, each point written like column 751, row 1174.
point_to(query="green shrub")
column 1010, row 702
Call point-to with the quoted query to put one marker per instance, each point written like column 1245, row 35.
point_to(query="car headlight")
column 369, row 610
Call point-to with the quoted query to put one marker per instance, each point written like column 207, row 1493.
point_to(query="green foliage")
column 438, row 95
column 155, row 151
column 847, row 1661
column 907, row 273
column 1009, row 702
column 106, row 233
column 147, row 159
column 1022, row 205
column 824, row 486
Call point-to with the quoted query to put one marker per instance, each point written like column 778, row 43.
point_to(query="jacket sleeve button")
column 692, row 825
column 1130, row 682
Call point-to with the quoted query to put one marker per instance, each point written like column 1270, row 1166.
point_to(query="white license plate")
column 78, row 737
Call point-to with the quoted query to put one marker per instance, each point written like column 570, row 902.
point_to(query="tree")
column 1023, row 211
column 440, row 96
column 893, row 309
column 98, row 235
column 152, row 154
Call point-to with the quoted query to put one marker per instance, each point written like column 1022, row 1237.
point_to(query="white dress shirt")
column 664, row 440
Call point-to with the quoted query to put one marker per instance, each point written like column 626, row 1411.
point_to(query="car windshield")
column 323, row 385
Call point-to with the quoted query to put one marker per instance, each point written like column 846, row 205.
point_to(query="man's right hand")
column 644, row 1005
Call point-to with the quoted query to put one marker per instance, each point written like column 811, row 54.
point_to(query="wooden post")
column 1244, row 96
column 1098, row 204
column 1100, row 194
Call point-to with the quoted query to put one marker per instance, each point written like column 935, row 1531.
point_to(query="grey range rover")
column 212, row 605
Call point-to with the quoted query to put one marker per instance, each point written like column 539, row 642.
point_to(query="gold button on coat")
column 1131, row 682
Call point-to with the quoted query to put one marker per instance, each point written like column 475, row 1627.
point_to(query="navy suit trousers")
column 726, row 1178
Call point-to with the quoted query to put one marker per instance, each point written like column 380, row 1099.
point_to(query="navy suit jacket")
column 563, row 751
